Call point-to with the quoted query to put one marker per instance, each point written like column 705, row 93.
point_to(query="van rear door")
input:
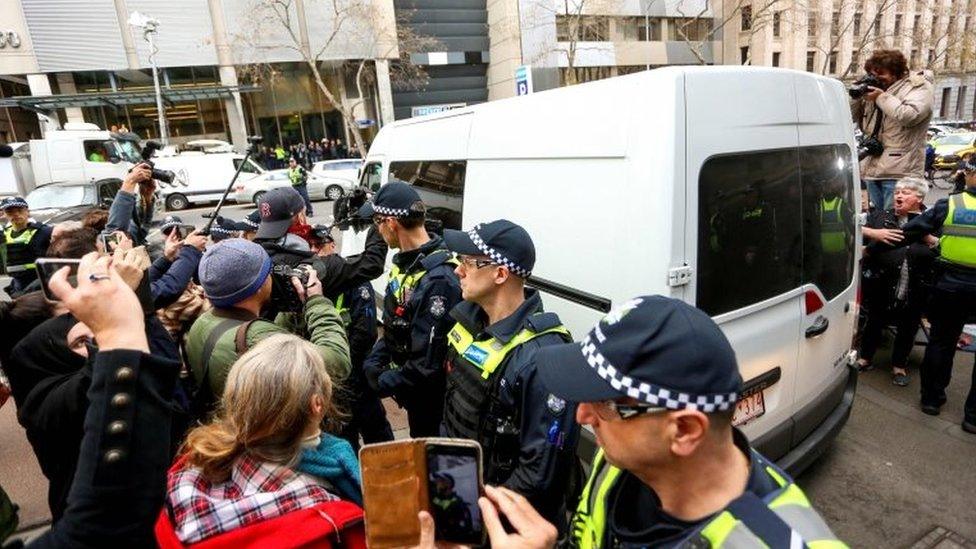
column 744, row 235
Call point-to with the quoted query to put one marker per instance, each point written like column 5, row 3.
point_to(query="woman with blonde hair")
column 265, row 458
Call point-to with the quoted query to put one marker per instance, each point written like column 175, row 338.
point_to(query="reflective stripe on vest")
column 487, row 355
column 20, row 257
column 958, row 242
column 590, row 520
column 725, row 530
column 831, row 226
column 400, row 282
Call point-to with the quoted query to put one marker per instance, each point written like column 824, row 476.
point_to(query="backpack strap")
column 240, row 338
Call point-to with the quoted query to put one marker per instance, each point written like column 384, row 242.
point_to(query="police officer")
column 407, row 362
column 953, row 297
column 657, row 381
column 25, row 241
column 299, row 182
column 528, row 436
column 357, row 309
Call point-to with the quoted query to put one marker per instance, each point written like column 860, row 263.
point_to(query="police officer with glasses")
column 657, row 381
column 494, row 396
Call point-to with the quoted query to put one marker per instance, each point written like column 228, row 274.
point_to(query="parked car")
column 950, row 148
column 202, row 178
column 680, row 177
column 319, row 187
column 69, row 201
column 342, row 169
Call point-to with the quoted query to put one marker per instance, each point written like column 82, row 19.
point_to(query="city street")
column 892, row 477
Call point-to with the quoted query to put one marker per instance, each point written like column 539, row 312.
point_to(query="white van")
column 201, row 178
column 714, row 185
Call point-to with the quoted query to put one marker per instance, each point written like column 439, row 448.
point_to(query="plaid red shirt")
column 256, row 491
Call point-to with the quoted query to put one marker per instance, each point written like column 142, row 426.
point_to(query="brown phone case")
column 395, row 489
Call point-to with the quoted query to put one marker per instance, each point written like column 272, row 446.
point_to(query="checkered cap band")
column 14, row 203
column 494, row 255
column 249, row 223
column 648, row 392
column 395, row 212
column 221, row 230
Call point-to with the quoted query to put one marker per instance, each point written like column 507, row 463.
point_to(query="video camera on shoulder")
column 284, row 297
column 148, row 151
column 861, row 85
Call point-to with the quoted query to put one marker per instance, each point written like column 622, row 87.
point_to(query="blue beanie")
column 233, row 270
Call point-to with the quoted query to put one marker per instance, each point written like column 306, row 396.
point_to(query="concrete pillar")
column 385, row 91
column 66, row 82
column 40, row 85
column 128, row 43
column 228, row 77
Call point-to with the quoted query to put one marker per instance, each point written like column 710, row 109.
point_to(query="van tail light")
column 812, row 301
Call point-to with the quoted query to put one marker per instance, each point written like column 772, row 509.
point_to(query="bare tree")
column 700, row 27
column 354, row 27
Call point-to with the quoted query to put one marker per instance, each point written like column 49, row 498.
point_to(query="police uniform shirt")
column 635, row 517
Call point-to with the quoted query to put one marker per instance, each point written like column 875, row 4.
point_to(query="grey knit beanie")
column 233, row 270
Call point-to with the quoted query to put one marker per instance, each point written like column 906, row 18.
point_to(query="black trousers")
column 367, row 415
column 878, row 297
column 424, row 416
column 948, row 312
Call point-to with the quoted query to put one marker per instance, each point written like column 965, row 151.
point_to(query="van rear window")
column 440, row 184
column 771, row 221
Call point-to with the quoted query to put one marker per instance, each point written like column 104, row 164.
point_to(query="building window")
column 758, row 237
column 695, row 29
column 857, row 26
column 744, row 55
column 584, row 74
column 746, row 14
column 438, row 182
column 944, row 110
column 914, row 60
column 856, row 61
column 634, row 29
column 917, row 25
column 811, row 60
column 960, row 102
column 583, row 28
column 832, row 63
column 630, row 69
column 876, row 23
column 897, row 24
column 776, row 55
column 812, row 24
column 931, row 57
column 835, row 24
column 777, row 23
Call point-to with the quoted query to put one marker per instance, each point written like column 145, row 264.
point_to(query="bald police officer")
column 658, row 382
column 494, row 396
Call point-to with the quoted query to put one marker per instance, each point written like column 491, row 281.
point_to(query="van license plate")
column 749, row 408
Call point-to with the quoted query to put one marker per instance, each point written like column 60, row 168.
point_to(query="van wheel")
column 334, row 192
column 177, row 202
column 258, row 196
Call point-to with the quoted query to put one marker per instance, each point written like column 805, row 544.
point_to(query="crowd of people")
column 306, row 154
column 216, row 391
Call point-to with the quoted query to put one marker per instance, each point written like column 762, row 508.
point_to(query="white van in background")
column 201, row 178
column 660, row 185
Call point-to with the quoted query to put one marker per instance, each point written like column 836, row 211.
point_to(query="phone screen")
column 110, row 241
column 454, row 487
column 46, row 267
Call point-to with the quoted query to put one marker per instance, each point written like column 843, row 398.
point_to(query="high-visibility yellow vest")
column 958, row 242
column 832, row 235
column 725, row 530
column 487, row 355
column 20, row 257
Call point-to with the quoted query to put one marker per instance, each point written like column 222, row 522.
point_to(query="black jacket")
column 168, row 279
column 121, row 476
column 547, row 424
column 335, row 272
column 421, row 376
column 886, row 264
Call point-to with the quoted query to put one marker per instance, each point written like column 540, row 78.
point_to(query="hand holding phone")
column 47, row 266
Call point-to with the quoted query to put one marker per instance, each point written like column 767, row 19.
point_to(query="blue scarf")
column 334, row 460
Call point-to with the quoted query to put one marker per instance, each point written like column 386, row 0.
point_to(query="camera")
column 869, row 145
column 284, row 297
column 148, row 150
column 861, row 85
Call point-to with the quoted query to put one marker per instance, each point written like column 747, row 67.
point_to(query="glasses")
column 474, row 263
column 379, row 219
column 627, row 411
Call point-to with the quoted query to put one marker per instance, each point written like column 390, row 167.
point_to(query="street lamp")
column 150, row 27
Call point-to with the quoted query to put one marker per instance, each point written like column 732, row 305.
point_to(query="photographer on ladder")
column 892, row 107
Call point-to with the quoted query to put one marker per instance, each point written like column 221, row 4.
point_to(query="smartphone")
column 47, row 266
column 183, row 231
column 454, row 486
column 109, row 241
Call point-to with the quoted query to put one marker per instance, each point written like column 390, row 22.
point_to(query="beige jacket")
column 907, row 108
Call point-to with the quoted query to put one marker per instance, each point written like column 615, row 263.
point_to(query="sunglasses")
column 379, row 219
column 474, row 263
column 628, row 411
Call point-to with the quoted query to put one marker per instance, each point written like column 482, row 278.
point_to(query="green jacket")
column 320, row 324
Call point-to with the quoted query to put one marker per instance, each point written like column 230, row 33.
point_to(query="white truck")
column 80, row 152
